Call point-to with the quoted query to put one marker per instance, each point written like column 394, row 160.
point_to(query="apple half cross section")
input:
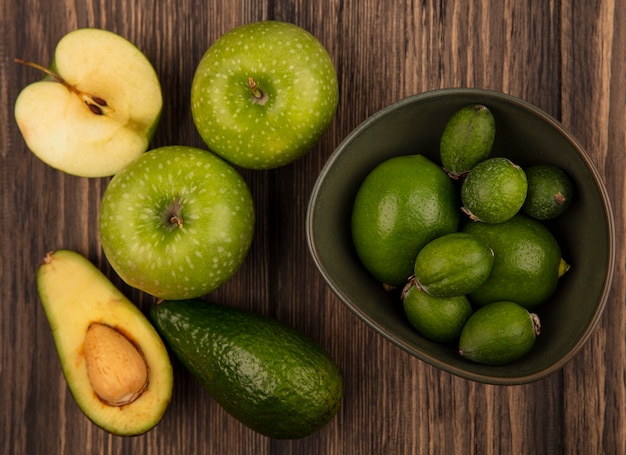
column 96, row 110
column 263, row 94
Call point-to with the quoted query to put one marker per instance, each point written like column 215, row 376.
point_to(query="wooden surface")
column 567, row 57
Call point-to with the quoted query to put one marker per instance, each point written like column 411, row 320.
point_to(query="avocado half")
column 115, row 364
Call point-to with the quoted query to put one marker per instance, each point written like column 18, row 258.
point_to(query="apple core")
column 95, row 104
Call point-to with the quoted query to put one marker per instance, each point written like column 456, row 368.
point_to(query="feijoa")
column 494, row 190
column 467, row 139
column 549, row 192
column 453, row 264
column 527, row 261
column 498, row 334
column 402, row 204
column 440, row 319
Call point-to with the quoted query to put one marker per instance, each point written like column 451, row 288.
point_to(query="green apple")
column 263, row 94
column 177, row 222
column 96, row 110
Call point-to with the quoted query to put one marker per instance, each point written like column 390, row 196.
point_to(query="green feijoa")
column 402, row 204
column 440, row 319
column 453, row 264
column 550, row 192
column 467, row 139
column 527, row 261
column 494, row 191
column 498, row 334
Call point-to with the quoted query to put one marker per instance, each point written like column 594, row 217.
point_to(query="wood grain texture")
column 594, row 109
column 567, row 57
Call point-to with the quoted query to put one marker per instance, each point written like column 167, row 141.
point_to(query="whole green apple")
column 96, row 110
column 177, row 222
column 263, row 94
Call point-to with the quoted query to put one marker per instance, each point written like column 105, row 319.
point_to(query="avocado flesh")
column 266, row 374
column 76, row 295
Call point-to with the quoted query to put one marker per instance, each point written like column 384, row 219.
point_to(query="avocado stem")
column 94, row 103
column 48, row 258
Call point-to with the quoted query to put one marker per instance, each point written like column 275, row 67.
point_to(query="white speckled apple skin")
column 177, row 260
column 294, row 72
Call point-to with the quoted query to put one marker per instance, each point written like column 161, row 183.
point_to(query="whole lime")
column 402, row 204
column 550, row 192
column 494, row 190
column 439, row 319
column 527, row 261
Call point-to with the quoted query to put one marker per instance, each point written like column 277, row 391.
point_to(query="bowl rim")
column 379, row 328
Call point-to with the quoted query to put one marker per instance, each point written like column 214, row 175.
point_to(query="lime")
column 499, row 333
column 549, row 192
column 494, row 190
column 527, row 261
column 467, row 139
column 402, row 204
column 453, row 264
column 439, row 319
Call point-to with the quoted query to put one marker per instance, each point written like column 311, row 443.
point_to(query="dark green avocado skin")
column 263, row 372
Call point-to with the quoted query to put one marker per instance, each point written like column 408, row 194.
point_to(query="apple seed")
column 95, row 109
column 94, row 103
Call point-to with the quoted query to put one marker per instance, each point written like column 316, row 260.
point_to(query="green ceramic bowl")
column 524, row 134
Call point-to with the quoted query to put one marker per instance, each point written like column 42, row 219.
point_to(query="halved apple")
column 96, row 110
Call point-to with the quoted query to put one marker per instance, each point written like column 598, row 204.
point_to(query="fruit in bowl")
column 526, row 136
column 499, row 255
column 403, row 203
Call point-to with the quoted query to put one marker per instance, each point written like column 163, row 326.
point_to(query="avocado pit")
column 116, row 368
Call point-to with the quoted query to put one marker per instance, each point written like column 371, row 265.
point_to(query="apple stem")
column 259, row 96
column 175, row 219
column 172, row 217
column 94, row 103
column 41, row 68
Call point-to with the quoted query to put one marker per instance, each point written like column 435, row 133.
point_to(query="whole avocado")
column 265, row 373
